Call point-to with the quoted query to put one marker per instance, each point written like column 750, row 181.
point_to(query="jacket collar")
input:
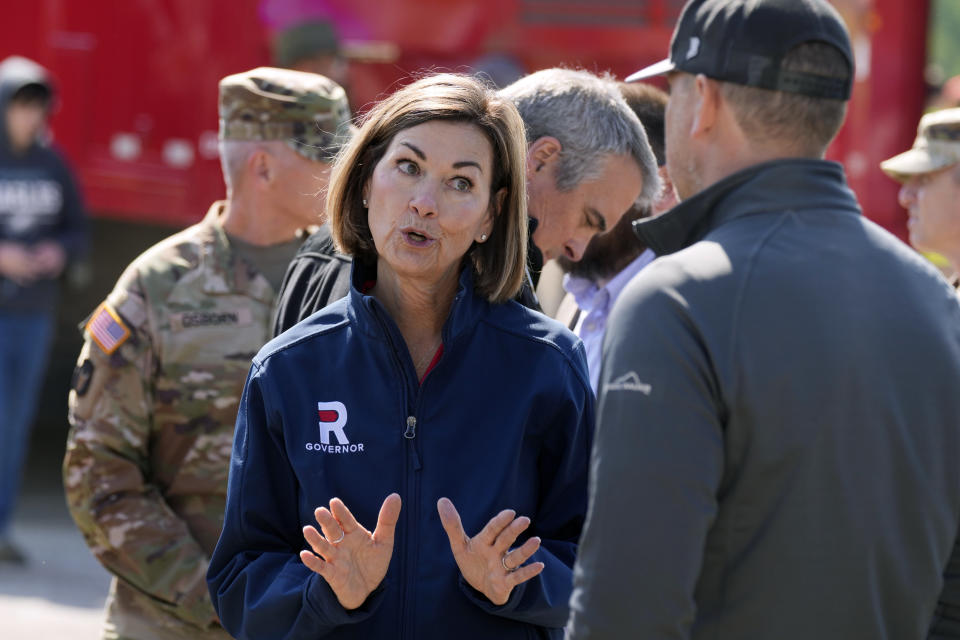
column 770, row 187
column 225, row 272
column 465, row 312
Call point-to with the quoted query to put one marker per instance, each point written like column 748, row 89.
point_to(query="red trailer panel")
column 138, row 78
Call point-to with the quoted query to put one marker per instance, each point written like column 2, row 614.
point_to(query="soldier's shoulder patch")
column 82, row 376
column 107, row 329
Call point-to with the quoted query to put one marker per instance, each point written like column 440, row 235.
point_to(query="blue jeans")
column 24, row 346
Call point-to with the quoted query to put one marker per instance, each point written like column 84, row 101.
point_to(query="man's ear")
column 667, row 198
column 261, row 167
column 541, row 153
column 707, row 101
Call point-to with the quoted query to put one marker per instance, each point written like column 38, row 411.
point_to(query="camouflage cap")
column 307, row 110
column 305, row 40
column 937, row 146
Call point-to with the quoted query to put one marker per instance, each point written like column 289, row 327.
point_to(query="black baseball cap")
column 745, row 41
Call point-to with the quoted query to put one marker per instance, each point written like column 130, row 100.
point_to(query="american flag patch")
column 107, row 329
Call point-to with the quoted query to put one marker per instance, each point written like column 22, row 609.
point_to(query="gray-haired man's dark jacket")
column 778, row 445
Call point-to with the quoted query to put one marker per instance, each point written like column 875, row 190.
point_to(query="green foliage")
column 943, row 44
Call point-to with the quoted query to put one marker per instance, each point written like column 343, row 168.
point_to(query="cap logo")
column 693, row 48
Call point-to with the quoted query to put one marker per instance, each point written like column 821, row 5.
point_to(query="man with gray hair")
column 158, row 382
column 588, row 161
column 613, row 258
column 588, row 158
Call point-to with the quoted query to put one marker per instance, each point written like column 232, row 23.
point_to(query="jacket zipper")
column 410, row 434
column 411, row 499
column 412, row 549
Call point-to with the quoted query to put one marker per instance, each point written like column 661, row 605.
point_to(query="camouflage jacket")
column 152, row 412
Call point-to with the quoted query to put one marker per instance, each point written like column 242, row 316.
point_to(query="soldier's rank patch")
column 107, row 329
column 82, row 376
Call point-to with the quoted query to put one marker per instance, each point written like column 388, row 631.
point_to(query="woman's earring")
column 483, row 237
column 364, row 203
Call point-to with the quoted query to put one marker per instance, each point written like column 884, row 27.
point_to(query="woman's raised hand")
column 485, row 560
column 352, row 560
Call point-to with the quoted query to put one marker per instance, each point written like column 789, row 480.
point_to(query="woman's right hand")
column 351, row 559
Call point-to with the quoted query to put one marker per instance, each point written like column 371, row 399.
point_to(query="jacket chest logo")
column 332, row 419
column 629, row 382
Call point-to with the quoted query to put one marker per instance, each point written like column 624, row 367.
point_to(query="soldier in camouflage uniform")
column 930, row 177
column 155, row 393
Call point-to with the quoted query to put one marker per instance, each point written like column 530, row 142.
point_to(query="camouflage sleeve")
column 107, row 469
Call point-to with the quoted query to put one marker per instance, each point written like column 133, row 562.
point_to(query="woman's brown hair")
column 498, row 263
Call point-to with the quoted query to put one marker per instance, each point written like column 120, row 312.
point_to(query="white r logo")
column 333, row 417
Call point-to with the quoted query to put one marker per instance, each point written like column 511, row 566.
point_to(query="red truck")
column 138, row 79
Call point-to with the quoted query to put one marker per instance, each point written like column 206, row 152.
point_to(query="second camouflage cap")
column 937, row 146
column 307, row 110
column 305, row 40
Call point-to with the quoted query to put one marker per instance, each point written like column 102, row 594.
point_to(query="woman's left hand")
column 485, row 560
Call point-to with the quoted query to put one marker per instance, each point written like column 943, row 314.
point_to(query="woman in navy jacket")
column 426, row 402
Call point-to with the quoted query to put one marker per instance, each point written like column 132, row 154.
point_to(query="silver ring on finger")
column 503, row 562
column 340, row 539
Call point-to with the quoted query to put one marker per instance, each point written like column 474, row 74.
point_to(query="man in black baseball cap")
column 776, row 447
column 746, row 43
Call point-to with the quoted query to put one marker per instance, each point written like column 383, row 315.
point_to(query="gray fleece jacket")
column 778, row 441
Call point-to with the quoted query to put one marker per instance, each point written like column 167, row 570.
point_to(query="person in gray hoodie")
column 779, row 424
column 42, row 229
